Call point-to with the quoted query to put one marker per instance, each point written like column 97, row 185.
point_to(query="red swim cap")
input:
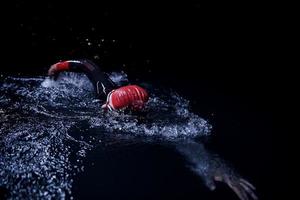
column 131, row 96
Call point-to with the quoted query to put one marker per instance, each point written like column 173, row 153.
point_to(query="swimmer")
column 133, row 97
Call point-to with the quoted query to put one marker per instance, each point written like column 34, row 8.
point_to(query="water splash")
column 48, row 83
column 168, row 119
column 119, row 78
column 41, row 122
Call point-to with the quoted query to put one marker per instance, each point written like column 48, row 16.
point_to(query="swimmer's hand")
column 240, row 186
column 211, row 168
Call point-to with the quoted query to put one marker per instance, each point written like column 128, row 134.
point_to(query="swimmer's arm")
column 69, row 66
column 99, row 79
column 213, row 169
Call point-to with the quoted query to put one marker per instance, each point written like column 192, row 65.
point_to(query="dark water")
column 210, row 109
column 57, row 145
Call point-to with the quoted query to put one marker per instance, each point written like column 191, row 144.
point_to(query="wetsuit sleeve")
column 100, row 80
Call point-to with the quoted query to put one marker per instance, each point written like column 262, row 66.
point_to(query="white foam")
column 48, row 83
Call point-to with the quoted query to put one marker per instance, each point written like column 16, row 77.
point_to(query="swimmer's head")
column 130, row 96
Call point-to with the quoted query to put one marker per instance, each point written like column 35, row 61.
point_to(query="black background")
column 218, row 56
